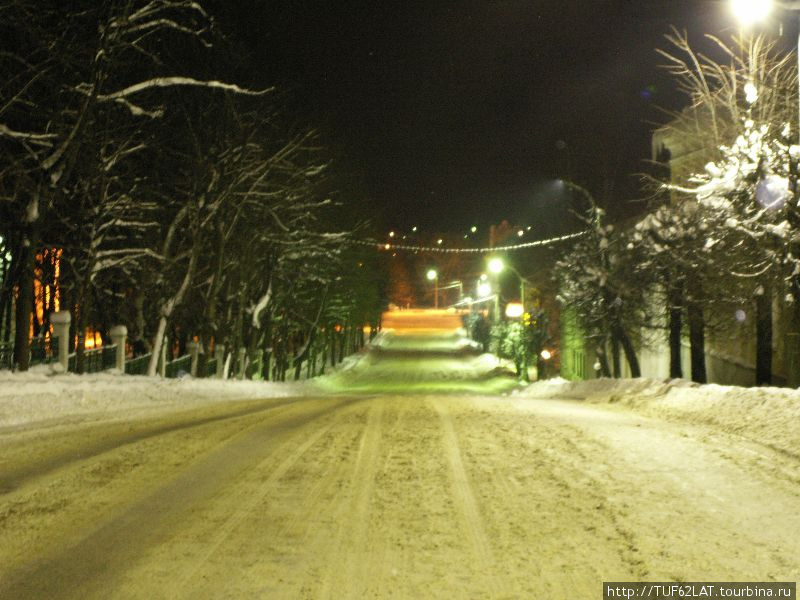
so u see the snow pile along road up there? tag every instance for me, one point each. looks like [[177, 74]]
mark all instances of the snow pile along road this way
[[768, 416], [38, 395]]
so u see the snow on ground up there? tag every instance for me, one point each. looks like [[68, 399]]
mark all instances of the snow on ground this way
[[405, 362], [767, 415], [39, 395], [543, 493], [417, 361]]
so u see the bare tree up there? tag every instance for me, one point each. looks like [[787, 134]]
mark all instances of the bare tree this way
[[734, 103]]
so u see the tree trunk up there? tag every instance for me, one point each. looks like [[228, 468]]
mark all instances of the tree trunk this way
[[324, 345], [674, 298], [24, 308], [158, 341], [166, 313], [697, 341], [615, 358], [630, 351], [764, 336], [602, 358], [793, 335], [81, 324]]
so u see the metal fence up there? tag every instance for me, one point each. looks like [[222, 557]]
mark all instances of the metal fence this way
[[41, 351], [101, 359], [211, 368], [178, 367], [6, 355], [138, 365]]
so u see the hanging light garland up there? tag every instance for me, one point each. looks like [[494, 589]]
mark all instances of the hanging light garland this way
[[486, 250]]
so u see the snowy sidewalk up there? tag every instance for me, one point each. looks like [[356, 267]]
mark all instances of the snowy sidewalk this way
[[38, 396], [768, 416]]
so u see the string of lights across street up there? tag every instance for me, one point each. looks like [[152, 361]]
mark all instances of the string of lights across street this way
[[485, 250]]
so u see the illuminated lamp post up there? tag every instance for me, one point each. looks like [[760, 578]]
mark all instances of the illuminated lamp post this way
[[433, 275], [496, 266], [748, 13], [752, 12]]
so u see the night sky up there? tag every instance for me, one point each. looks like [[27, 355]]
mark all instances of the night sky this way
[[454, 113]]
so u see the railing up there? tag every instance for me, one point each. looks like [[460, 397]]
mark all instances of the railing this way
[[6, 355], [98, 359], [211, 368], [41, 351], [101, 359], [178, 366], [138, 365]]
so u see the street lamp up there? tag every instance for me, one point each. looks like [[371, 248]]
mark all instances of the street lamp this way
[[750, 12], [496, 266], [432, 275], [514, 310]]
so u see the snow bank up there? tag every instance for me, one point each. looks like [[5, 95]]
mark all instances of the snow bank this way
[[39, 395], [769, 416]]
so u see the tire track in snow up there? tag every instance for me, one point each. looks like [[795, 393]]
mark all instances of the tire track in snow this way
[[349, 564], [98, 562], [466, 505], [98, 439], [246, 508]]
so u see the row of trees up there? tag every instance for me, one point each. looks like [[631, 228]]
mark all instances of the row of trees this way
[[137, 186], [724, 231]]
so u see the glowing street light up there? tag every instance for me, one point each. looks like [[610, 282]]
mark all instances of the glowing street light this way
[[750, 12], [484, 289], [496, 265], [433, 275], [514, 310]]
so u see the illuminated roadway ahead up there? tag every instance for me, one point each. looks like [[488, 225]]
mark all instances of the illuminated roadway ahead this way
[[406, 475]]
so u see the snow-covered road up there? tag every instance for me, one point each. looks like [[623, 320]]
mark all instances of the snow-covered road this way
[[389, 495]]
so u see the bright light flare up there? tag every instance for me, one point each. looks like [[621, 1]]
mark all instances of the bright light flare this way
[[484, 289], [496, 265], [546, 354], [514, 310], [750, 12], [750, 92], [431, 274]]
